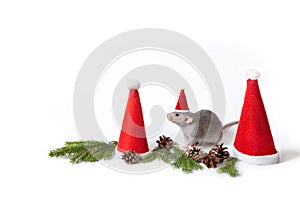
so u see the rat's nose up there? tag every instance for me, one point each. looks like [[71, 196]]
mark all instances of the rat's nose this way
[[169, 116]]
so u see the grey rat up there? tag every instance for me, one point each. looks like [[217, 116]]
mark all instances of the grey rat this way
[[200, 128]]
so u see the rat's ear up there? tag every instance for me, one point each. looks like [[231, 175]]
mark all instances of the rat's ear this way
[[188, 119]]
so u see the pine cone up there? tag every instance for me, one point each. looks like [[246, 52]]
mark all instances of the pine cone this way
[[197, 154], [209, 161], [131, 157], [220, 153], [216, 155], [164, 142]]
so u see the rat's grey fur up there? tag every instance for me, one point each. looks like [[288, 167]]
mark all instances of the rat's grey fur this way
[[202, 127]]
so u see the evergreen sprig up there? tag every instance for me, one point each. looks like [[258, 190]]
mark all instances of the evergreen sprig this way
[[229, 167], [85, 151], [186, 164], [167, 155]]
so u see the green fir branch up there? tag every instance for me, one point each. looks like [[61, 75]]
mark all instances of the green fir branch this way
[[150, 157], [229, 167], [186, 164], [85, 151], [177, 151], [163, 154]]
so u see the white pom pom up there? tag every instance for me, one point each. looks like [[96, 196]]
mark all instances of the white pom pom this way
[[133, 84], [252, 74]]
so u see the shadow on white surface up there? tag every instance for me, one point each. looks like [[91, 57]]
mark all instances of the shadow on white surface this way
[[287, 155]]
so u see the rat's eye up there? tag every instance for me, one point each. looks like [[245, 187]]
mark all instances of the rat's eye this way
[[177, 115]]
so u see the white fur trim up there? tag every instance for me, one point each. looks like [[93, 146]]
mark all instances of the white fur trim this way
[[119, 154], [257, 160], [133, 84], [252, 74], [182, 111]]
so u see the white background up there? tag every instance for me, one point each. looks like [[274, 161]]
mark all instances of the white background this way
[[43, 45]]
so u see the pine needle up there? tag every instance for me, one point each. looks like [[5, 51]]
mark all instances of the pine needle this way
[[186, 164], [163, 154], [229, 167], [149, 157], [85, 151]]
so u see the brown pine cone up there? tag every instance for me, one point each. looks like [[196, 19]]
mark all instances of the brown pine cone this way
[[131, 157], [196, 153], [216, 155], [164, 142], [209, 161], [219, 153]]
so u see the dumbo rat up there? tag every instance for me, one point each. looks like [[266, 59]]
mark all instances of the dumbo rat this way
[[200, 128]]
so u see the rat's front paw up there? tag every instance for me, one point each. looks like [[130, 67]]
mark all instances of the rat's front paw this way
[[194, 144], [186, 148]]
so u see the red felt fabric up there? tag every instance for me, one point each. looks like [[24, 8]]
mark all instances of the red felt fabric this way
[[133, 134], [254, 135], [182, 102]]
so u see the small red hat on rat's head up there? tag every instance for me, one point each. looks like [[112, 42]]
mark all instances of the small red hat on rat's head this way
[[254, 142], [182, 105]]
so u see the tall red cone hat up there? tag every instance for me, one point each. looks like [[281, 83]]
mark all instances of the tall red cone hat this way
[[182, 105], [133, 134], [254, 142]]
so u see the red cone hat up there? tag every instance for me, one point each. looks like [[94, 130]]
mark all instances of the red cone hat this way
[[254, 142], [133, 134], [182, 105]]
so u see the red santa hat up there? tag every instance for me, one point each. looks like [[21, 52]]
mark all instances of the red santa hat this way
[[133, 134], [182, 105], [254, 142]]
